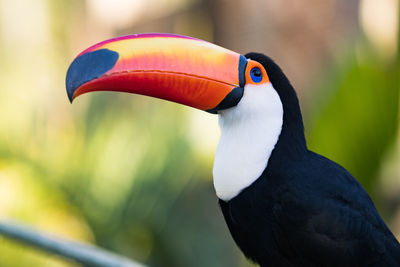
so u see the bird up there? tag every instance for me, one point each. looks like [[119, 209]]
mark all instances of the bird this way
[[284, 205]]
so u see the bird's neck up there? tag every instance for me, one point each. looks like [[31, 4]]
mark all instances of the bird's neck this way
[[291, 145], [261, 131], [249, 133]]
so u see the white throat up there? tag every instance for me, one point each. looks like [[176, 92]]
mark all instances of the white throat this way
[[249, 132]]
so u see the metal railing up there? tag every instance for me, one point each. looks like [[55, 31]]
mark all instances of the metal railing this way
[[85, 254]]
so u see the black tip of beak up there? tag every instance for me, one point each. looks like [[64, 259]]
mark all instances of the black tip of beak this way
[[87, 67]]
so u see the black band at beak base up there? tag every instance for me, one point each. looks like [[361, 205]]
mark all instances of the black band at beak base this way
[[231, 100]]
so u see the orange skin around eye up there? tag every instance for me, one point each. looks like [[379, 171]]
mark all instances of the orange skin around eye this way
[[254, 64]]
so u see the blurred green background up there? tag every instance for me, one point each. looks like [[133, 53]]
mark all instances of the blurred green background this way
[[134, 174]]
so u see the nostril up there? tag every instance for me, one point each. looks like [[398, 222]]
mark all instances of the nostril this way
[[89, 66]]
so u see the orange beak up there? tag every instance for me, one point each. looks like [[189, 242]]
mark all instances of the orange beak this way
[[181, 69]]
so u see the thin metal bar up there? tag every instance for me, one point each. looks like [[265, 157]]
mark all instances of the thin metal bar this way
[[87, 255]]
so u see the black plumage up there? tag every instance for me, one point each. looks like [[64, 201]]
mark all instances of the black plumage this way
[[306, 210]]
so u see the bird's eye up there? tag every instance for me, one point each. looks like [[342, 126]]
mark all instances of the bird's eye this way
[[256, 75]]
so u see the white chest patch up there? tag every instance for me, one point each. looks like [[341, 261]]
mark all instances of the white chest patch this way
[[249, 132]]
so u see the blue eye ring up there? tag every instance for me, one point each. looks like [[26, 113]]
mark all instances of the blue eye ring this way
[[256, 75]]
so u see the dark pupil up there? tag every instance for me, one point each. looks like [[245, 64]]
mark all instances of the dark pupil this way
[[256, 72]]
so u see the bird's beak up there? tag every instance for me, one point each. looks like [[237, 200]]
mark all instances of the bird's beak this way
[[181, 69]]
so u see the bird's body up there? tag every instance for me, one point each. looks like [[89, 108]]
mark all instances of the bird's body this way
[[304, 209], [284, 205], [309, 212]]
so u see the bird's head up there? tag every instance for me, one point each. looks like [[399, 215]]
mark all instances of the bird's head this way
[[202, 75]]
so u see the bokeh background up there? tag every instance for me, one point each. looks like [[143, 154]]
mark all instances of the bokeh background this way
[[134, 174]]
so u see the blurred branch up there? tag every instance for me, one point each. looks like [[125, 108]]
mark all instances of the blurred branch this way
[[85, 254]]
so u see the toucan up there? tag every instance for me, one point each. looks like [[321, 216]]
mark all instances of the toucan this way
[[283, 204]]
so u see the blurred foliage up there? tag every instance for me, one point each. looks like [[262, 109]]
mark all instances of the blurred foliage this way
[[356, 120], [123, 172]]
